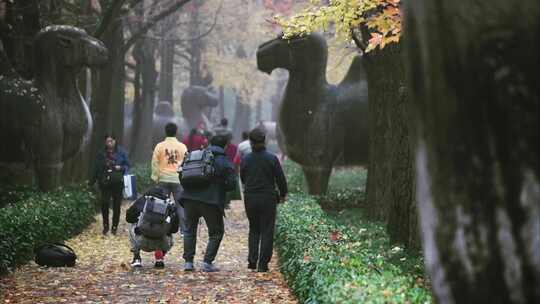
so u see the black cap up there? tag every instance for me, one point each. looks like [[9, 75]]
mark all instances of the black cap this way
[[257, 136]]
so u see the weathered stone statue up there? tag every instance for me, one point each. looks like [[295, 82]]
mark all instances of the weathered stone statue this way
[[319, 122], [195, 100], [163, 114], [46, 121], [475, 88]]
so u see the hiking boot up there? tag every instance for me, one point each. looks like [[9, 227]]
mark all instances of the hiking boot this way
[[105, 230], [188, 266], [114, 229], [137, 262], [262, 268], [158, 256], [209, 267], [159, 264], [252, 266]]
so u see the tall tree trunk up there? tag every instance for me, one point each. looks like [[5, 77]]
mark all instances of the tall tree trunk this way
[[390, 186], [23, 23], [143, 110], [166, 72], [474, 83], [107, 104]]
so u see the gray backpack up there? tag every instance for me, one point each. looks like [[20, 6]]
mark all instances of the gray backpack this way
[[155, 219]]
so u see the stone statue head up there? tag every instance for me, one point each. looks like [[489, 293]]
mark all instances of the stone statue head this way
[[292, 54], [67, 47]]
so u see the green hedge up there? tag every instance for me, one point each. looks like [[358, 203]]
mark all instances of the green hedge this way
[[42, 217], [325, 261], [142, 175]]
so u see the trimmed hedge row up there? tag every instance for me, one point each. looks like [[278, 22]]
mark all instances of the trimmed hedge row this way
[[325, 261], [42, 217]]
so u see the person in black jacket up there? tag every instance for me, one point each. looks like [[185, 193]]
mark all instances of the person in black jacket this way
[[261, 172], [208, 202], [139, 242], [109, 169]]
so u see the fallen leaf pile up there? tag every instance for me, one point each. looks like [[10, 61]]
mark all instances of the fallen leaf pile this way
[[103, 273]]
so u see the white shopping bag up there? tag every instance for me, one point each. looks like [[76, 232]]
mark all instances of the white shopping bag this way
[[129, 187]]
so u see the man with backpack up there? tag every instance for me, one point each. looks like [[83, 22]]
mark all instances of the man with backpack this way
[[206, 177], [153, 221]]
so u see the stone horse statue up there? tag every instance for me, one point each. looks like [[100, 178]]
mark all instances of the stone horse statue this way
[[318, 122], [46, 121], [195, 100]]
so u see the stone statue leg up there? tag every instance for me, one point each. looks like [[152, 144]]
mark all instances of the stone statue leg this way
[[49, 176], [317, 179]]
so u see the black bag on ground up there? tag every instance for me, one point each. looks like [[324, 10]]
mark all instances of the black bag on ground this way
[[197, 169], [55, 255]]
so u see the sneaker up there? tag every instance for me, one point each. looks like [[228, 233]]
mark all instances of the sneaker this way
[[136, 263], [159, 264], [252, 266], [188, 266], [208, 267]]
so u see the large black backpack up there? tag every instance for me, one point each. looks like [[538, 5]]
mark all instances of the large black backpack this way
[[155, 218], [55, 255], [197, 169]]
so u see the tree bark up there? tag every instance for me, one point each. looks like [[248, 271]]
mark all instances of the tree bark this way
[[143, 110], [107, 104], [166, 72], [390, 186], [473, 72]]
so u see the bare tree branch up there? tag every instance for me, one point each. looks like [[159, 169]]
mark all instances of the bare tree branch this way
[[152, 22], [110, 14]]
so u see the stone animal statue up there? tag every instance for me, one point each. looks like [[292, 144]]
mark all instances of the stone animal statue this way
[[318, 122], [163, 114], [195, 101], [475, 92], [46, 121]]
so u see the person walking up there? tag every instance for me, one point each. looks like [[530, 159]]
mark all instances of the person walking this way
[[195, 140], [244, 148], [208, 202], [261, 172], [166, 161], [110, 167]]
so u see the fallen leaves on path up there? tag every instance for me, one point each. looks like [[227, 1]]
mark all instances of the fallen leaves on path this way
[[103, 274]]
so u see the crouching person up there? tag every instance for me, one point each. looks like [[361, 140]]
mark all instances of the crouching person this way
[[153, 220]]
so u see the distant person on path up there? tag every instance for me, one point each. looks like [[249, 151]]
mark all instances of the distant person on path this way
[[196, 139], [110, 167], [166, 161], [223, 129], [208, 202], [244, 148], [261, 172], [139, 241]]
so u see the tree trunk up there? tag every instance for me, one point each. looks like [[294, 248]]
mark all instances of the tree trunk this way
[[390, 186], [143, 110], [107, 104], [474, 83], [22, 18], [166, 72]]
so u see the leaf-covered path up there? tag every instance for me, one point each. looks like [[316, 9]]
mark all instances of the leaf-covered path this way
[[103, 274]]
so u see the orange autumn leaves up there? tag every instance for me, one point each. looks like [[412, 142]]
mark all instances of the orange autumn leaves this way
[[383, 18]]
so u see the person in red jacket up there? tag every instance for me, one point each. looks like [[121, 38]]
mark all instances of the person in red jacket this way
[[195, 140]]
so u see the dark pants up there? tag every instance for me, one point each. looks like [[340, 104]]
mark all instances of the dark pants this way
[[176, 190], [108, 193], [213, 216], [261, 214]]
